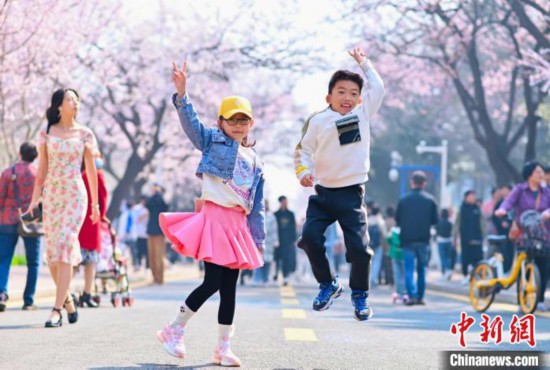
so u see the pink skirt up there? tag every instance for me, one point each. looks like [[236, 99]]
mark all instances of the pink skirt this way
[[216, 234]]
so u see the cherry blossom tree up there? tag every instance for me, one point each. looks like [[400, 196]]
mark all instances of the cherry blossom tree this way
[[126, 75], [481, 48], [39, 40]]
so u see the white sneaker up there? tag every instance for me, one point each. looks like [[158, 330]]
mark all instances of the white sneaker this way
[[542, 307], [224, 356], [171, 338], [449, 275], [465, 280]]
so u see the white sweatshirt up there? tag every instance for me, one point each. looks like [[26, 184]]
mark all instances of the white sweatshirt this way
[[320, 151]]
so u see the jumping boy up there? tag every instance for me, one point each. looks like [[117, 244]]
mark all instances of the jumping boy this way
[[333, 155]]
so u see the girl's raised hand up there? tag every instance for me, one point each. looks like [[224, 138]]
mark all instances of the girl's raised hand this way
[[179, 77]]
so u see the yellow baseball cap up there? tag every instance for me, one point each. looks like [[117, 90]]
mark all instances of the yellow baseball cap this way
[[234, 104]]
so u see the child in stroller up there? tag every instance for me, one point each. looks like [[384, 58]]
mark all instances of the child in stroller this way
[[113, 265]]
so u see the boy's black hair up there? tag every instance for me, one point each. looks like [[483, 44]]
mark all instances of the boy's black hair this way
[[28, 152], [344, 75]]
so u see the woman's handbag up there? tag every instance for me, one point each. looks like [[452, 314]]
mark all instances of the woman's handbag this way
[[31, 227], [28, 226]]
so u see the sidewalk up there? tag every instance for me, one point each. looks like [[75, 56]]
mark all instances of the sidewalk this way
[[45, 286]]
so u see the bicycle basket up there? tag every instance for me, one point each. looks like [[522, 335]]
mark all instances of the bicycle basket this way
[[534, 233]]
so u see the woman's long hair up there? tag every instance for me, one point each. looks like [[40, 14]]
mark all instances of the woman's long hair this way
[[52, 113]]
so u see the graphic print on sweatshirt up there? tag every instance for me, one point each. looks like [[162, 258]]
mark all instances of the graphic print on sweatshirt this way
[[243, 174], [348, 130]]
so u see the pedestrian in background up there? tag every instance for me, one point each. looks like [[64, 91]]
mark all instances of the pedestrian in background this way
[[261, 274], [286, 225], [502, 227], [89, 236], [444, 230], [126, 231], [140, 217], [377, 238], [331, 239], [469, 233], [156, 242], [59, 184], [487, 209], [16, 186], [395, 252], [416, 214]]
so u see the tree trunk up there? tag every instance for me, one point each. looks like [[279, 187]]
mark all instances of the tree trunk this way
[[123, 188]]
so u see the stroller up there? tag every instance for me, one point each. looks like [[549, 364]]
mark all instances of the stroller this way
[[113, 266]]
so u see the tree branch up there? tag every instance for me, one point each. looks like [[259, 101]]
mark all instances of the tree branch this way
[[511, 103], [528, 24]]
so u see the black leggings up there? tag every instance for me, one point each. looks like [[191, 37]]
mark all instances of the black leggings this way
[[216, 278]]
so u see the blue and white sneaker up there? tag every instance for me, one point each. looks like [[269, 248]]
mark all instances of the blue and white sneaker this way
[[327, 293], [362, 310]]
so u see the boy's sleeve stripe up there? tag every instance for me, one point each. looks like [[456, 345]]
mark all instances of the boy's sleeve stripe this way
[[304, 130]]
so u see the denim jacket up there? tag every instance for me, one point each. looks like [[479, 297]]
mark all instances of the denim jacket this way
[[219, 155]]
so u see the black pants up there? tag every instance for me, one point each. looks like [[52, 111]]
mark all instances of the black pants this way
[[142, 253], [471, 255], [216, 278], [507, 250], [346, 206], [543, 263]]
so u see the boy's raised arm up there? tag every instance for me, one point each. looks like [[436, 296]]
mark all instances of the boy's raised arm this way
[[373, 92]]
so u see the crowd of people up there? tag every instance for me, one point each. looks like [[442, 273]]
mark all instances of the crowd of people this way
[[232, 231], [461, 236]]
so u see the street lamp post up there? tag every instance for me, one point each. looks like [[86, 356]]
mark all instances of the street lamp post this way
[[443, 150], [396, 160]]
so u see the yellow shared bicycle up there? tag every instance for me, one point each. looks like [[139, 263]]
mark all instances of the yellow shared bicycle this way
[[487, 279]]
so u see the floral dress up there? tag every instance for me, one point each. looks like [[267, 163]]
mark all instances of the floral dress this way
[[64, 198]]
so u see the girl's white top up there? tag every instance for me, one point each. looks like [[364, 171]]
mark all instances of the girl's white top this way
[[234, 192]]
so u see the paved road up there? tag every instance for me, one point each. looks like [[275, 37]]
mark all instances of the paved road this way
[[276, 329]]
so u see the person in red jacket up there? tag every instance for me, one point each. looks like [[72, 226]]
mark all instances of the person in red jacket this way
[[89, 237]]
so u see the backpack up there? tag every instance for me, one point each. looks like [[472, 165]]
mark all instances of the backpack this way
[[375, 236]]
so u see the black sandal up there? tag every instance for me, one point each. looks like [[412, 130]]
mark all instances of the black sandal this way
[[55, 324], [71, 316]]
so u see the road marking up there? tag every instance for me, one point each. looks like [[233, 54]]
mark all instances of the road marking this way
[[294, 313], [288, 292], [290, 301], [300, 335], [500, 306]]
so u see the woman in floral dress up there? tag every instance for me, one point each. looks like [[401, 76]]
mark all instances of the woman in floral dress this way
[[59, 185]]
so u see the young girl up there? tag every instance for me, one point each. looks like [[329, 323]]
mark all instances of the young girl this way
[[228, 232]]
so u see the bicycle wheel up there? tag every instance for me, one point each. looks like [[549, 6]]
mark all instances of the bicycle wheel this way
[[528, 287], [481, 297]]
